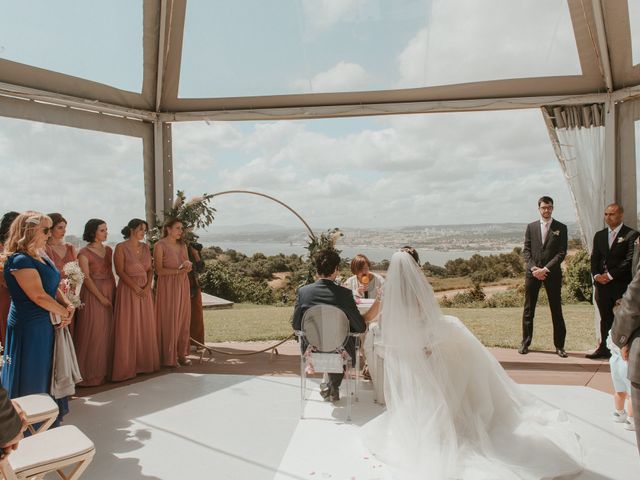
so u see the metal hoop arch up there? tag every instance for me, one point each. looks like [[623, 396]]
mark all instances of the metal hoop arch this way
[[249, 192]]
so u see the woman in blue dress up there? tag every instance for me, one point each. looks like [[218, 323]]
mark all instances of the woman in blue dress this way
[[32, 281]]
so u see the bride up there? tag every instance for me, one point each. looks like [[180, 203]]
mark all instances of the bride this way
[[452, 411]]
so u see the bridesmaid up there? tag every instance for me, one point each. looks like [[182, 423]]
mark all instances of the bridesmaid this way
[[59, 251], [173, 302], [196, 329], [94, 322], [135, 337], [5, 298]]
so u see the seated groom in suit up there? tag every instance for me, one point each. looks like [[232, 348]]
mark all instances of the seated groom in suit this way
[[611, 265], [545, 246], [326, 292]]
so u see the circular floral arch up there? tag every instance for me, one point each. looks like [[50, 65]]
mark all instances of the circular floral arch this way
[[248, 192]]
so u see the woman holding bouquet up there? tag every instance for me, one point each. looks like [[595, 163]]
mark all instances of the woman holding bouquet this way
[[135, 337], [173, 301], [33, 281], [94, 322], [59, 251]]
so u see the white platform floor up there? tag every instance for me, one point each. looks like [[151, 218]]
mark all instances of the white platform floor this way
[[181, 426]]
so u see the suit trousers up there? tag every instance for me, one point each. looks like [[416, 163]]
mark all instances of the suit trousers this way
[[606, 297], [635, 405], [553, 286]]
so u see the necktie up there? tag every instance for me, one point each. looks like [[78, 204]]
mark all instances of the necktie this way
[[545, 231], [612, 235]]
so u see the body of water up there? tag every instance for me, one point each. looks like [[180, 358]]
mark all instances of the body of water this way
[[376, 254]]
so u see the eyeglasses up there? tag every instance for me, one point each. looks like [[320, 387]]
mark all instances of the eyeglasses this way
[[546, 208], [46, 230]]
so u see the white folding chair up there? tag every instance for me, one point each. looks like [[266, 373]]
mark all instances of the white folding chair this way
[[325, 329], [65, 450], [40, 409]]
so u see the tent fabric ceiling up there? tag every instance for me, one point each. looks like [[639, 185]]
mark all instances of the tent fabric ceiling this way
[[163, 28]]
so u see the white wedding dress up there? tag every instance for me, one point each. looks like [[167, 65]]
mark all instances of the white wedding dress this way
[[452, 411]]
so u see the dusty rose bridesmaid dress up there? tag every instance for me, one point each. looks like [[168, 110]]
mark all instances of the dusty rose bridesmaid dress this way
[[60, 262], [173, 307], [94, 322], [135, 338]]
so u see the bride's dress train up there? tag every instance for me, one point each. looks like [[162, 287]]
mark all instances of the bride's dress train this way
[[452, 411]]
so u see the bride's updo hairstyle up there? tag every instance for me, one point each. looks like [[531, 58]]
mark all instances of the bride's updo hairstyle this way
[[411, 251], [327, 262], [131, 226]]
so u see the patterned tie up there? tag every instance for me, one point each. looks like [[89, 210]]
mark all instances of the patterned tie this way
[[545, 231]]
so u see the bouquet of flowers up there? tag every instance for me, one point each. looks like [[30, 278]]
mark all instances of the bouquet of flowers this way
[[72, 282], [3, 359]]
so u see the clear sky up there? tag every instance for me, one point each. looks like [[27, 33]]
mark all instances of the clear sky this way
[[375, 171]]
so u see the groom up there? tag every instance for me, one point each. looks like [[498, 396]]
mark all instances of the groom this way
[[326, 292], [545, 246]]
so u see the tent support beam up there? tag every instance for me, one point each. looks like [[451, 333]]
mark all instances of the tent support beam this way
[[603, 49]]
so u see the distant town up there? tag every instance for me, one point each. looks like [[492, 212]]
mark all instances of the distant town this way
[[476, 237]]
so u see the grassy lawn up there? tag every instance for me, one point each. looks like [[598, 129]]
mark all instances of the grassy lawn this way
[[495, 327]]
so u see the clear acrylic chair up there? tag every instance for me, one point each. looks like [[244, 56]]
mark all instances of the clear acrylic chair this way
[[325, 329]]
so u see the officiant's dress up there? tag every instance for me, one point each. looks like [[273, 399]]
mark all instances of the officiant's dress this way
[[94, 322], [30, 334], [452, 411]]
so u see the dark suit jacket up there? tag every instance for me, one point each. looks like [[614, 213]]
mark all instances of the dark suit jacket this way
[[615, 260], [551, 253], [326, 292], [10, 423], [626, 326]]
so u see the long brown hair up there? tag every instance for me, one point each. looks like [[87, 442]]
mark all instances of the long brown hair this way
[[23, 232], [170, 223]]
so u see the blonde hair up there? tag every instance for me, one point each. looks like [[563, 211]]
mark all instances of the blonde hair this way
[[358, 263], [23, 232]]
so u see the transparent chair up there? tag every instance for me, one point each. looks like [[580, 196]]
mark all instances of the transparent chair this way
[[325, 329]]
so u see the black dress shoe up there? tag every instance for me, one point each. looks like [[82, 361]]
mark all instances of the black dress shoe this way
[[561, 353], [334, 396], [604, 354], [325, 391], [523, 350]]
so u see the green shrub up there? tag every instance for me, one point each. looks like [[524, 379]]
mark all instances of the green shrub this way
[[219, 280], [578, 281]]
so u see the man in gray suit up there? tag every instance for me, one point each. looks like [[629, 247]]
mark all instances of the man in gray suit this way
[[12, 424], [626, 334]]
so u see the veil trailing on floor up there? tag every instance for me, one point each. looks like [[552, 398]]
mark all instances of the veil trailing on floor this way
[[452, 411]]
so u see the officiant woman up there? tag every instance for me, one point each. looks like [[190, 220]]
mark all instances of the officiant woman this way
[[32, 280]]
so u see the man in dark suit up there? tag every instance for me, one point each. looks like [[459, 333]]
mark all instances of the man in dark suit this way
[[545, 246], [611, 262], [12, 424], [625, 333], [326, 292]]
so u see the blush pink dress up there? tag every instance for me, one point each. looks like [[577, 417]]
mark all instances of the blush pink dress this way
[[135, 338], [173, 307], [60, 262], [94, 322]]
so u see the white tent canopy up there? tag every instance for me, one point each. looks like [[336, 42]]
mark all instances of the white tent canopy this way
[[183, 50]]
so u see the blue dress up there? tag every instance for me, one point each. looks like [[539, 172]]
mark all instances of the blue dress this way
[[30, 334]]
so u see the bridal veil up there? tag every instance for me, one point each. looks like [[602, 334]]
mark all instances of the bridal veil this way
[[452, 411]]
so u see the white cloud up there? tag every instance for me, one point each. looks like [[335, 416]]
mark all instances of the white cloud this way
[[342, 77], [464, 41], [320, 15]]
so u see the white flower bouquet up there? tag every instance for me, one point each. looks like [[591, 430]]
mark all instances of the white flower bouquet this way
[[73, 282]]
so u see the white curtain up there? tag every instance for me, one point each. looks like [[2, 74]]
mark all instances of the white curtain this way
[[582, 162]]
